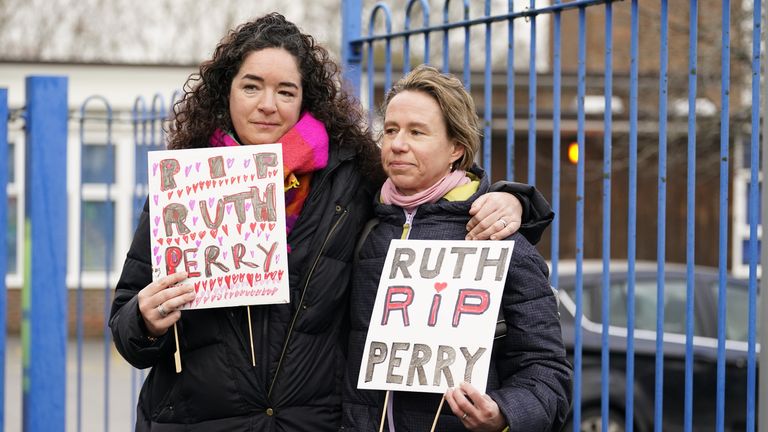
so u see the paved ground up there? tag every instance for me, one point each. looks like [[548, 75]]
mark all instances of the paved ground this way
[[117, 407]]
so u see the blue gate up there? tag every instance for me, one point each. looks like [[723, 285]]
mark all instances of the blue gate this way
[[657, 116]]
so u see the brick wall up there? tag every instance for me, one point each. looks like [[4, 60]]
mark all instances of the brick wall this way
[[93, 312]]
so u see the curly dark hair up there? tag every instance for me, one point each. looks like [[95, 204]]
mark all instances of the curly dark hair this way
[[205, 104]]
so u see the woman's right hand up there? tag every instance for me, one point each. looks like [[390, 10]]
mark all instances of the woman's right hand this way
[[159, 302]]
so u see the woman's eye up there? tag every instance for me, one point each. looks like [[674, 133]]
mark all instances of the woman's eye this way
[[287, 94], [250, 87], [390, 131]]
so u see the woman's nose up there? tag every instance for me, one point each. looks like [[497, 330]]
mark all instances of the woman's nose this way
[[399, 143], [267, 102]]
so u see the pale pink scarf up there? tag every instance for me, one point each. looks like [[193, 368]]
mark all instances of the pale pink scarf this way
[[391, 195]]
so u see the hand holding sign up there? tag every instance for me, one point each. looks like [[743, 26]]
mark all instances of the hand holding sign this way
[[476, 410], [160, 300]]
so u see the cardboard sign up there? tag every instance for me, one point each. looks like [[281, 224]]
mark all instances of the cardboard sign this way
[[219, 214], [435, 313]]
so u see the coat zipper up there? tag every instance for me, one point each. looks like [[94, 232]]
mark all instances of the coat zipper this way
[[404, 236], [301, 300], [408, 223]]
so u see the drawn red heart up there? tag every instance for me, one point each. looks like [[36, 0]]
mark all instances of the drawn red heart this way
[[439, 286]]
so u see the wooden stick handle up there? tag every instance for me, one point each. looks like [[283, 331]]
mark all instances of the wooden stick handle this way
[[250, 332], [437, 414], [177, 354], [384, 412]]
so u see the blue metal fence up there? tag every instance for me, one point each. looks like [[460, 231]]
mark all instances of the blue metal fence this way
[[360, 49]]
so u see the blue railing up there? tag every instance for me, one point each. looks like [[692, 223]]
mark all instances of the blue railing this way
[[633, 137]]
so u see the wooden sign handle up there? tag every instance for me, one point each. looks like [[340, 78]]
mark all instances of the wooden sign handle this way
[[177, 354]]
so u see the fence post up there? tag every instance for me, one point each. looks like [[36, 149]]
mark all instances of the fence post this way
[[44, 299], [3, 249], [762, 383], [351, 55]]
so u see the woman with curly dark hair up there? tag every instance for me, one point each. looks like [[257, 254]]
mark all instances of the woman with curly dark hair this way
[[267, 82]]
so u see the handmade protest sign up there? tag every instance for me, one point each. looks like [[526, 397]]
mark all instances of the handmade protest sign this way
[[434, 317], [219, 214]]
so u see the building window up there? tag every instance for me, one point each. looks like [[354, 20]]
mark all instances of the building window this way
[[98, 164], [98, 221]]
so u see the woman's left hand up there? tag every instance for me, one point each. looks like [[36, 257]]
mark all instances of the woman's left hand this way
[[495, 215], [476, 411]]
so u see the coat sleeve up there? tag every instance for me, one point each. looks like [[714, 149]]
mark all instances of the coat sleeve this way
[[537, 213], [535, 375], [128, 329]]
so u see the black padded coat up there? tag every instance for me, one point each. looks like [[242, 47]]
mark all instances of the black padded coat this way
[[529, 378], [295, 385]]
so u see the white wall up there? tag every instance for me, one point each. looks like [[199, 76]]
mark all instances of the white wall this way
[[120, 84]]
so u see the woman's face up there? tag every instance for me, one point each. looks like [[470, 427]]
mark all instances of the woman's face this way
[[265, 97], [415, 150]]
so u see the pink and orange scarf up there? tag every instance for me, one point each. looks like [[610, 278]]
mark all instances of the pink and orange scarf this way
[[305, 150]]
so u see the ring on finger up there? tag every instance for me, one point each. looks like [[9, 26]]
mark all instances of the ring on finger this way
[[464, 417], [161, 310], [503, 222]]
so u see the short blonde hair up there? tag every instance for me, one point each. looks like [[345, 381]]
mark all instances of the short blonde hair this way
[[456, 104]]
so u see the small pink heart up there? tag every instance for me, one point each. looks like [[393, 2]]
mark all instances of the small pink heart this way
[[439, 286]]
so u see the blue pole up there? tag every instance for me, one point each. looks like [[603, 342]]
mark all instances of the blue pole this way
[[511, 95], [531, 100], [351, 54], [662, 209], [580, 193], [556, 96], [3, 250], [754, 153], [632, 216], [690, 241], [725, 81], [45, 290], [487, 95], [607, 172], [762, 373]]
